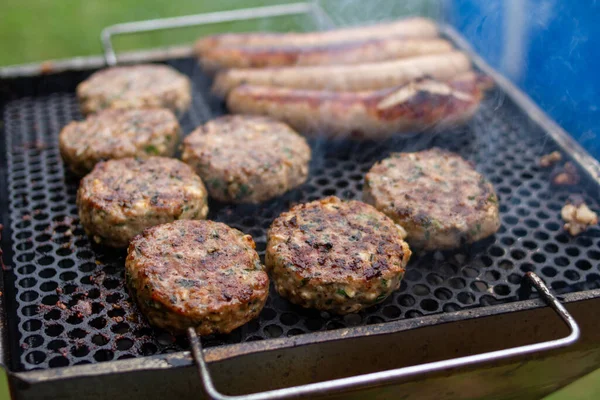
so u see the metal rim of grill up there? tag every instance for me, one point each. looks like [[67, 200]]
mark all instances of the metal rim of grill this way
[[66, 297]]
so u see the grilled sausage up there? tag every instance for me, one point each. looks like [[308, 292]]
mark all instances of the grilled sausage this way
[[410, 27], [354, 52], [415, 106], [347, 77]]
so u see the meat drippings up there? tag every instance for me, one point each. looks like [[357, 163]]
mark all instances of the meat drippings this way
[[578, 217], [550, 159]]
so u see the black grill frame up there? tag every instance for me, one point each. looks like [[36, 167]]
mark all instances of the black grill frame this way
[[528, 117]]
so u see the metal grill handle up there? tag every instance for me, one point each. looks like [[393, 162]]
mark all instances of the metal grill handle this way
[[201, 19], [378, 378]]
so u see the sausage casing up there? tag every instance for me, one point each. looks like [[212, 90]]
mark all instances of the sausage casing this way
[[354, 52], [349, 78], [409, 27], [416, 106]]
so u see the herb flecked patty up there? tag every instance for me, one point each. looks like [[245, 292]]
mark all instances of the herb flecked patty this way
[[247, 159], [200, 274], [120, 198], [335, 255], [436, 196], [118, 134], [136, 86]]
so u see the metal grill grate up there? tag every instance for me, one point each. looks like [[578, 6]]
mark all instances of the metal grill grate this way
[[71, 307]]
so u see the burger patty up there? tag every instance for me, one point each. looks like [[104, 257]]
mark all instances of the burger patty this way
[[436, 196], [335, 255], [137, 86], [118, 134], [120, 198], [246, 159], [199, 274]]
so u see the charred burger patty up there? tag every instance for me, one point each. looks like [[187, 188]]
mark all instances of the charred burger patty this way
[[118, 134], [245, 159], [120, 198], [199, 274], [137, 86], [335, 255], [436, 196]]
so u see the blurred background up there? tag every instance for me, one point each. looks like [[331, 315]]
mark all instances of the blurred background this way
[[547, 47]]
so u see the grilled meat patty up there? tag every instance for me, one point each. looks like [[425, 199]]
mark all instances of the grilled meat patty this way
[[335, 255], [137, 86], [436, 196], [120, 198], [200, 274], [118, 134], [245, 159]]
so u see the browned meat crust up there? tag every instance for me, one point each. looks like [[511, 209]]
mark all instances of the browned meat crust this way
[[120, 198], [200, 274], [247, 159], [112, 134], [137, 86], [436, 196], [335, 255]]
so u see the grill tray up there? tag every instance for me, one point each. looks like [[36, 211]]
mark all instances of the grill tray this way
[[66, 302]]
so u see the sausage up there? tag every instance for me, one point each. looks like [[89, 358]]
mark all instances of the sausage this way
[[349, 78], [409, 27], [332, 54], [416, 106]]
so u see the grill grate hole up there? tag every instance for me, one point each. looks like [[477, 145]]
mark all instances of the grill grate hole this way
[[58, 362], [429, 305], [584, 265], [148, 349], [34, 341], [391, 312], [479, 286], [77, 333], [53, 315], [73, 308], [120, 328], [104, 355], [466, 298], [35, 357], [56, 345], [124, 344], [99, 339], [502, 290], [421, 290]]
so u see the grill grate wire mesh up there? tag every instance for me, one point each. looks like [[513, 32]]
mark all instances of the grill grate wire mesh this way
[[70, 306]]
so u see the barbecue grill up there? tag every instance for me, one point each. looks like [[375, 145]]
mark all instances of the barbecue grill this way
[[479, 321]]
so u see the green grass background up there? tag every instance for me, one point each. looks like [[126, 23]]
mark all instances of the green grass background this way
[[38, 30]]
